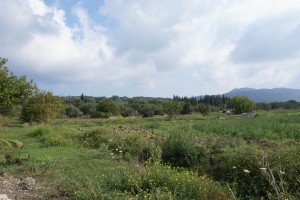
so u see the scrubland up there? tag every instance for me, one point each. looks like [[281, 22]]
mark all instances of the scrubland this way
[[185, 157]]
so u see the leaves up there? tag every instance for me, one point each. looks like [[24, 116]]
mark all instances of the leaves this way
[[241, 104], [14, 90], [42, 107]]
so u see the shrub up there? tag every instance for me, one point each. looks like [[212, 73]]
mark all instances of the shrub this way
[[42, 107], [158, 181], [179, 149], [95, 138], [73, 111]]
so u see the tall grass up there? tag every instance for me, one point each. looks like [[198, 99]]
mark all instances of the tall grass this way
[[4, 121]]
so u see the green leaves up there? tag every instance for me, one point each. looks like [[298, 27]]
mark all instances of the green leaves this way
[[14, 90], [172, 107], [241, 104], [42, 107]]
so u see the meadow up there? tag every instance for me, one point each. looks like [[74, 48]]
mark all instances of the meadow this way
[[184, 157]]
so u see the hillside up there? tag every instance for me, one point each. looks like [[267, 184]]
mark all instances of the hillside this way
[[267, 95]]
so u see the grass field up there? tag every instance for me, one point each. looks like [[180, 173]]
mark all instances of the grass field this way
[[186, 157]]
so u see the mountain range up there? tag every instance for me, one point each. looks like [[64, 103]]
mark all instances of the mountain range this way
[[267, 95]]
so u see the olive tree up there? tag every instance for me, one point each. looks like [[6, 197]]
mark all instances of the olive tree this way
[[241, 104]]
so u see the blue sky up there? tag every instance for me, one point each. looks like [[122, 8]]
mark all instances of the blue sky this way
[[152, 48]]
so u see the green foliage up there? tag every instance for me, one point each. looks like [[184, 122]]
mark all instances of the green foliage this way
[[241, 104], [129, 145], [88, 108], [81, 161], [73, 111], [48, 137], [40, 132], [14, 90], [180, 149], [42, 107], [4, 121], [187, 108], [95, 138], [172, 107], [107, 108], [127, 111], [203, 109], [158, 181]]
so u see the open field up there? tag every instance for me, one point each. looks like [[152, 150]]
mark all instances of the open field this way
[[185, 157]]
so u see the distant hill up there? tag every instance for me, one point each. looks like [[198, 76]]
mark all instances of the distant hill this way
[[267, 95]]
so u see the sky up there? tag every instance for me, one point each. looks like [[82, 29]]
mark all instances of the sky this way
[[154, 48]]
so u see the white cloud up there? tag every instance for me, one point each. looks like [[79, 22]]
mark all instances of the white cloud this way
[[216, 45]]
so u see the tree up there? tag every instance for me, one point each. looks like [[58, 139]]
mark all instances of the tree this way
[[187, 108], [42, 107], [107, 108], [14, 90], [241, 104], [203, 109], [172, 107], [73, 111]]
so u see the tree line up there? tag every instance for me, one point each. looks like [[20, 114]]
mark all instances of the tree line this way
[[21, 97]]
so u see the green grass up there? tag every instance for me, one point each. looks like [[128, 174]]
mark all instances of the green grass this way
[[185, 157]]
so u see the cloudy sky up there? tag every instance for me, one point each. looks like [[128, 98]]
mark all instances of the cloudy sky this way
[[152, 47]]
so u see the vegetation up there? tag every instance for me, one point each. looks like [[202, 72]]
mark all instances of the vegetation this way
[[194, 153], [42, 107], [14, 90], [172, 108], [186, 157], [241, 104]]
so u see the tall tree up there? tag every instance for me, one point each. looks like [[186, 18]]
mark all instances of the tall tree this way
[[14, 90]]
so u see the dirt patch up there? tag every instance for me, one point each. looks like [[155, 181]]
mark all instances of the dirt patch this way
[[18, 189]]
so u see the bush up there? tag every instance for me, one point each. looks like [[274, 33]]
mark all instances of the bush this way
[[179, 149], [95, 138], [248, 171], [73, 111], [42, 107], [158, 181]]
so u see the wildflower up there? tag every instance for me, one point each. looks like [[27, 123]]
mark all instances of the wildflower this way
[[234, 167], [263, 168], [246, 171]]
